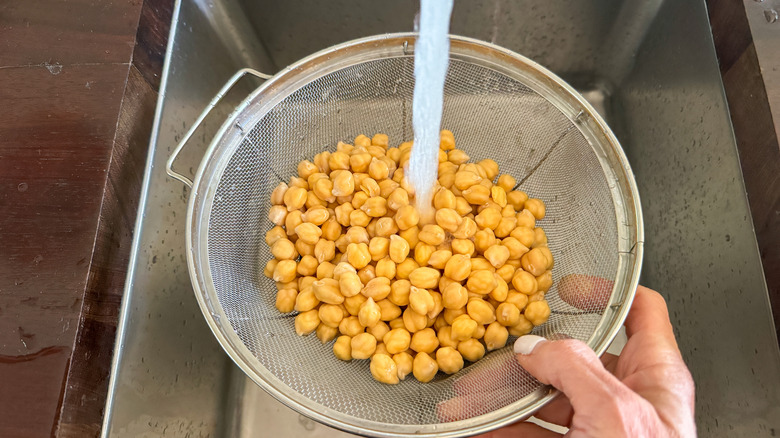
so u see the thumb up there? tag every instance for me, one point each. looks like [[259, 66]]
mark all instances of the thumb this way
[[572, 367]]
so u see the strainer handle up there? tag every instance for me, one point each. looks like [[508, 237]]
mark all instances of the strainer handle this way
[[220, 94]]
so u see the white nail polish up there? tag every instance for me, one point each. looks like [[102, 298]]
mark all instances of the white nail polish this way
[[526, 344]]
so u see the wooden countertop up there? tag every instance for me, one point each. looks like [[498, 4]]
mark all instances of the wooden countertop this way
[[78, 88]]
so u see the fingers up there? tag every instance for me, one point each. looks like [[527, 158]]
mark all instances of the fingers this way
[[585, 292], [521, 430], [574, 368], [649, 313]]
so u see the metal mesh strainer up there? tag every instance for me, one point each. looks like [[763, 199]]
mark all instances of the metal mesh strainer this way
[[500, 106]]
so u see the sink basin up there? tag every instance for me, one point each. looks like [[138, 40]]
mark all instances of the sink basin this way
[[650, 69]]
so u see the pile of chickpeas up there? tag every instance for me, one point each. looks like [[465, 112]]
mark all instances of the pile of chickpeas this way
[[354, 258]]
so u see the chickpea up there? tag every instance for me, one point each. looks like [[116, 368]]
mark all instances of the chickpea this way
[[327, 291], [325, 333], [385, 268], [507, 314], [396, 323], [285, 271], [403, 363], [378, 288], [410, 236], [465, 179], [497, 255], [403, 269], [331, 229], [378, 169], [535, 262], [343, 213], [399, 292], [367, 274], [462, 247], [353, 304], [536, 207], [357, 235], [269, 268], [481, 282], [283, 249], [378, 247], [438, 305], [420, 300], [499, 293], [387, 187], [398, 199], [398, 249], [350, 284], [462, 206], [388, 310], [540, 238], [526, 219], [413, 321], [295, 198], [523, 327], [544, 282], [490, 167], [385, 227], [537, 312], [463, 327], [488, 218], [524, 235], [285, 300], [324, 250], [384, 369], [481, 311], [450, 314], [444, 336], [424, 341], [277, 196], [380, 349], [316, 215], [330, 315], [425, 278], [518, 299], [446, 140], [379, 330], [472, 350], [422, 253], [447, 179], [363, 346], [274, 234], [350, 326], [517, 199], [506, 273], [369, 313], [298, 182], [407, 217], [454, 296], [306, 322], [524, 282], [424, 367], [496, 336], [505, 226], [479, 332], [308, 232], [358, 255], [443, 198], [484, 239], [449, 360], [293, 219], [476, 194], [397, 340], [306, 300], [325, 270], [277, 214], [342, 348], [307, 266], [359, 218], [457, 156], [432, 234]]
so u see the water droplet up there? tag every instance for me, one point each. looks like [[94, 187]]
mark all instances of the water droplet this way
[[771, 16]]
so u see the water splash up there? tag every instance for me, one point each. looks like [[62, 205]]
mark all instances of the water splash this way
[[431, 57]]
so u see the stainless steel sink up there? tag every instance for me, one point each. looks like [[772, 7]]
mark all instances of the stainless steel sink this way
[[648, 66]]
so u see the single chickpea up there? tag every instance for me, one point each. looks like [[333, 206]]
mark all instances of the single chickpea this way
[[327, 291], [467, 229], [526, 219], [471, 349], [398, 198], [411, 236], [497, 255], [481, 311], [446, 140], [367, 274], [524, 282], [496, 336], [350, 326], [326, 334], [458, 267], [321, 160], [339, 160], [404, 362], [369, 186], [536, 207], [277, 214], [307, 322], [505, 226], [465, 179], [343, 213], [526, 236], [507, 314], [306, 300], [488, 218], [377, 288], [523, 327], [463, 247], [445, 337], [517, 199], [330, 315], [447, 179], [295, 198], [359, 218], [450, 360], [308, 233], [424, 367], [375, 206], [507, 182], [316, 215], [369, 313], [350, 284], [298, 182], [422, 253], [450, 314], [537, 312], [285, 271], [403, 269], [342, 348], [277, 196], [380, 349], [397, 340], [498, 195], [360, 162], [379, 330], [293, 219], [481, 282], [399, 249], [535, 262], [387, 187], [545, 281], [388, 310], [270, 266], [385, 227], [363, 346], [420, 300], [384, 369], [484, 239], [357, 235], [457, 156], [331, 229], [432, 234], [454, 296], [506, 273], [358, 255], [285, 300], [396, 324], [443, 198], [385, 268], [353, 304], [324, 250], [448, 219], [413, 321], [425, 278], [274, 234], [307, 265], [438, 305], [476, 194], [462, 206], [399, 292], [424, 341], [499, 293], [283, 249], [407, 217], [490, 167], [520, 300], [379, 248], [540, 238], [463, 327]]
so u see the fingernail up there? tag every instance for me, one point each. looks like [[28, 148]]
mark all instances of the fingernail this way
[[526, 344]]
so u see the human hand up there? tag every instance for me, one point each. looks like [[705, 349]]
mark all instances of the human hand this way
[[647, 391]]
